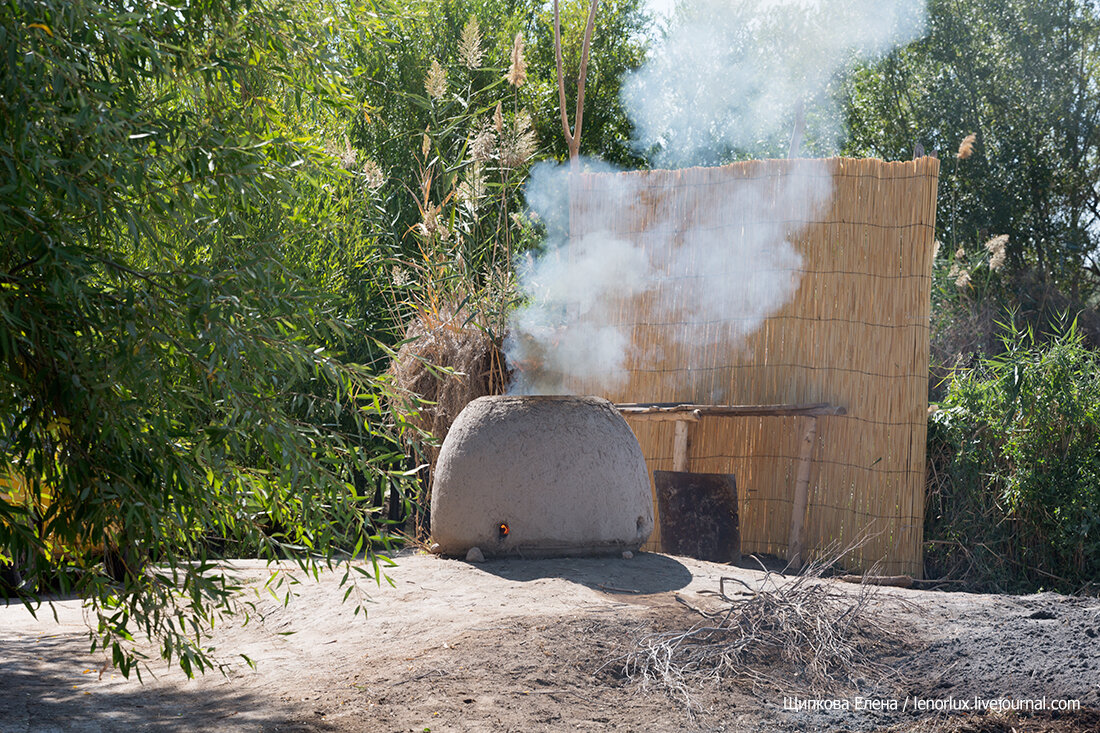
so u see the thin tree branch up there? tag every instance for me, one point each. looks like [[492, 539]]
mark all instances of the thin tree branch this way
[[583, 77], [573, 137], [561, 80], [22, 266]]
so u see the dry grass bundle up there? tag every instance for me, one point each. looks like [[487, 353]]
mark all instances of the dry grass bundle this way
[[802, 632], [445, 362]]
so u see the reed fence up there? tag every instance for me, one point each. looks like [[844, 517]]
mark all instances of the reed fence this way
[[855, 334]]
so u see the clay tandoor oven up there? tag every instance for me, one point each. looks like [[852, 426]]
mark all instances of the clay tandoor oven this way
[[538, 476]]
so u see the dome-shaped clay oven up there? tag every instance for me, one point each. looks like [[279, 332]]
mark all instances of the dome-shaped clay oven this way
[[540, 476]]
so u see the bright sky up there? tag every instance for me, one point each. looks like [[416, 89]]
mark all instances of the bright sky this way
[[661, 6]]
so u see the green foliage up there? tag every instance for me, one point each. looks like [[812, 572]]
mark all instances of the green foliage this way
[[970, 291], [212, 213], [452, 281], [1015, 499], [395, 109], [464, 142], [216, 219], [618, 47], [173, 242], [1021, 75], [455, 133], [393, 65]]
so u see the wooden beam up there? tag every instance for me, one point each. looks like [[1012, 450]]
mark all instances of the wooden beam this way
[[650, 410], [801, 491], [692, 416], [894, 581]]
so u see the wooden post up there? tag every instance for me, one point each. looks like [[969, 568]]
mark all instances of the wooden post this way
[[801, 489], [680, 411], [681, 444]]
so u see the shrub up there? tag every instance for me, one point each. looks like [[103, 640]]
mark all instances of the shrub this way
[[1014, 500]]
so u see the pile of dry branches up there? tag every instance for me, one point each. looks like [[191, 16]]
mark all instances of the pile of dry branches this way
[[787, 632]]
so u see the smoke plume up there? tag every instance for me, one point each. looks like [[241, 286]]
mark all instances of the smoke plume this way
[[729, 80], [732, 74]]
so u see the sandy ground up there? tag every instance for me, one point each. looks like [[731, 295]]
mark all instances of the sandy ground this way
[[532, 645]]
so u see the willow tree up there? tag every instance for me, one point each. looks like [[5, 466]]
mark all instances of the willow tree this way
[[168, 384]]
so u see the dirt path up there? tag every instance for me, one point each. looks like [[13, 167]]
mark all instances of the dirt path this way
[[531, 645]]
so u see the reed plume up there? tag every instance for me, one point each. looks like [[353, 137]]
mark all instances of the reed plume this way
[[469, 46], [372, 174], [520, 143], [517, 73], [472, 188], [966, 147], [483, 144], [436, 82], [996, 249], [343, 152]]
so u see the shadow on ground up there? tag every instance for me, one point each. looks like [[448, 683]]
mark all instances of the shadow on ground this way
[[644, 574], [48, 685]]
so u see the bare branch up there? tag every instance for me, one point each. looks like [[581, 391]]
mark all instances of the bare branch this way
[[561, 79], [573, 137], [575, 150]]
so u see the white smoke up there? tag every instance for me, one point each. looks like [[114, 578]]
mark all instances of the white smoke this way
[[722, 274], [564, 330], [731, 74], [727, 80]]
